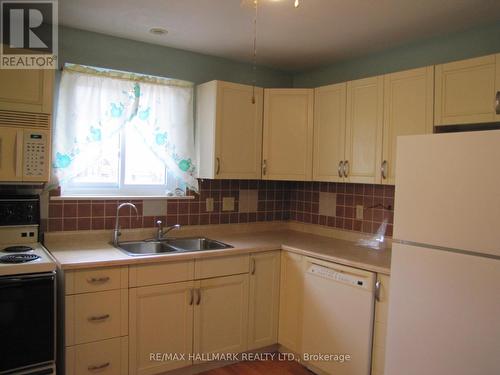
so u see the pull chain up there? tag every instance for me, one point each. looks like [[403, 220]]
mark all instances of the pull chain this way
[[254, 67]]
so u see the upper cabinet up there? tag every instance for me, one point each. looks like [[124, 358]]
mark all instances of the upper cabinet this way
[[348, 131], [329, 132], [408, 110], [364, 121], [229, 130], [25, 90], [288, 134], [467, 91]]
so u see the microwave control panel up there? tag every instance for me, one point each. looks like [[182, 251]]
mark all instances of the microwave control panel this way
[[35, 154]]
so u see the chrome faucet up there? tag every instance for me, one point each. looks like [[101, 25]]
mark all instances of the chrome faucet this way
[[161, 233], [116, 231]]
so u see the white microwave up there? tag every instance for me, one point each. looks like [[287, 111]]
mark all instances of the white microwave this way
[[24, 154]]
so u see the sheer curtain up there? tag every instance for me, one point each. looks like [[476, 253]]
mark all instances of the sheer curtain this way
[[95, 107]]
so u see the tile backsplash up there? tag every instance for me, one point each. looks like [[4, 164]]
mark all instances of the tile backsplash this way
[[259, 200], [334, 205], [328, 204]]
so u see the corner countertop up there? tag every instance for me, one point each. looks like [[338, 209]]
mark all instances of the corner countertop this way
[[96, 251]]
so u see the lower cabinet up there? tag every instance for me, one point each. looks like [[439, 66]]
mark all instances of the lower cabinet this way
[[161, 324], [291, 298], [263, 299], [174, 325], [107, 357], [221, 315]]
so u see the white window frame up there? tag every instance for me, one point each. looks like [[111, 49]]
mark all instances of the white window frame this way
[[121, 189]]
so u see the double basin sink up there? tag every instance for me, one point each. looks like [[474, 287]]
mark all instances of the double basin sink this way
[[171, 245]]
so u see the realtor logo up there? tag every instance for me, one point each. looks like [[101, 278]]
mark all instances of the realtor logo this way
[[28, 34]]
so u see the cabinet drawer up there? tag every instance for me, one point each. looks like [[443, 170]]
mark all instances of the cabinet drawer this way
[[96, 280], [160, 273], [223, 266], [109, 357], [96, 316]]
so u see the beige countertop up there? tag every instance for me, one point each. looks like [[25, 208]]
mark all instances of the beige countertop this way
[[94, 250]]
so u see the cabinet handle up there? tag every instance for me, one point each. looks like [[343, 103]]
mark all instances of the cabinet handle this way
[[497, 107], [218, 165], [98, 280], [340, 168], [383, 169], [191, 299], [198, 300], [378, 284], [98, 367], [99, 318], [264, 167], [346, 168], [252, 272]]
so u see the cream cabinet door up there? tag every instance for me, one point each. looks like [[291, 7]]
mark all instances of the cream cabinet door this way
[[288, 134], [380, 325], [229, 130], [238, 144], [161, 321], [329, 132], [26, 90], [11, 148], [108, 357], [221, 315], [290, 313], [465, 91], [264, 299], [364, 130], [408, 110]]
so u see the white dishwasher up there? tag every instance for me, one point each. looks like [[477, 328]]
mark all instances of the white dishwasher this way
[[338, 318]]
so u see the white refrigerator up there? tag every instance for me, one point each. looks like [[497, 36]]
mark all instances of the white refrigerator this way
[[444, 300]]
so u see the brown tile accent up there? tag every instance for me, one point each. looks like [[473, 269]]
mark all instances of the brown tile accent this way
[[277, 200], [378, 202], [69, 210]]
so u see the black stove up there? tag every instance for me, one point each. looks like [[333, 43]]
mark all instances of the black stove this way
[[19, 258], [17, 249]]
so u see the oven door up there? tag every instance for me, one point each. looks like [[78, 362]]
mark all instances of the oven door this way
[[27, 321]]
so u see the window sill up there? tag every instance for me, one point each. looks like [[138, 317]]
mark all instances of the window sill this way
[[118, 197]]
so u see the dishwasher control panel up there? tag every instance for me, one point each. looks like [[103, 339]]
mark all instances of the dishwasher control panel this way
[[339, 276]]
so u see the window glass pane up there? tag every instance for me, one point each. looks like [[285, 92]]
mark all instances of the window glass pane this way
[[104, 170], [142, 167]]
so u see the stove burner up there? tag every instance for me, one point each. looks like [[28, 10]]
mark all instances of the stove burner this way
[[18, 258], [17, 249]]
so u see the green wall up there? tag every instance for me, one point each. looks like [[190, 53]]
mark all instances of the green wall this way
[[88, 48], [457, 46]]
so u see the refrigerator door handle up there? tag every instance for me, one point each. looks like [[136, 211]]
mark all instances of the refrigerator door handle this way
[[378, 286], [497, 103]]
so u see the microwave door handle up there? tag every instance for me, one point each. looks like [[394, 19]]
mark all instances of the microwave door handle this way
[[18, 153]]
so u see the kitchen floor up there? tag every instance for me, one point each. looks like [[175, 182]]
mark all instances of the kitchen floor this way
[[273, 367]]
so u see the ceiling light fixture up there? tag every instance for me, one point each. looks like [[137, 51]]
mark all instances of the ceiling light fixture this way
[[158, 31], [296, 3]]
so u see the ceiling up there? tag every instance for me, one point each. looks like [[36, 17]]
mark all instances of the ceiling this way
[[317, 33]]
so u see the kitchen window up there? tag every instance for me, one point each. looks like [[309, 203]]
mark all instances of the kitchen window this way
[[123, 134]]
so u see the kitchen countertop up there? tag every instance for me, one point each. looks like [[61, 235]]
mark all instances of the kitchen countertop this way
[[96, 251]]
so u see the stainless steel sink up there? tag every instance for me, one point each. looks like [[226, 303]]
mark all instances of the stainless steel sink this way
[[196, 244], [174, 245], [146, 247]]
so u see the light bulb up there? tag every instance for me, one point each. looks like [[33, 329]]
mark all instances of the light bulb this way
[[296, 4]]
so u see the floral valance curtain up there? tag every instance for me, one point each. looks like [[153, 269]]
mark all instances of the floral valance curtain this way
[[95, 105]]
